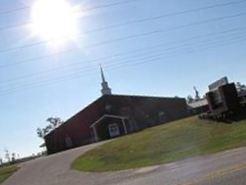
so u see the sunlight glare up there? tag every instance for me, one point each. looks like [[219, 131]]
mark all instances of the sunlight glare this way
[[54, 20]]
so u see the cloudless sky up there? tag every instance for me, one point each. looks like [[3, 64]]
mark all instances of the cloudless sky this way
[[168, 62]]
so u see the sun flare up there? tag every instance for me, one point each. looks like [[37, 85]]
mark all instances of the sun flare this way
[[54, 20]]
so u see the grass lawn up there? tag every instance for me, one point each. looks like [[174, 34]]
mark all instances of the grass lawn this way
[[164, 143], [6, 172]]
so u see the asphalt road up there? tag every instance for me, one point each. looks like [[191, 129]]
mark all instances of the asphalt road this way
[[225, 168]]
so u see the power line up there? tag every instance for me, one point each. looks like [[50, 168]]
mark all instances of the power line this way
[[121, 63], [145, 19], [85, 67], [14, 10], [88, 9], [11, 26], [216, 18], [124, 54], [133, 36], [88, 68], [69, 50]]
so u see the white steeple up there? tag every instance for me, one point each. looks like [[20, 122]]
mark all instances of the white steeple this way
[[105, 88]]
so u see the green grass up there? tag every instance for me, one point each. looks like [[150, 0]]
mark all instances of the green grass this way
[[6, 172], [162, 144]]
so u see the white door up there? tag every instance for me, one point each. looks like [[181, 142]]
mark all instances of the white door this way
[[114, 130]]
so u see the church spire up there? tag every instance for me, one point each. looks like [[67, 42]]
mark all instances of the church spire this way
[[105, 88], [102, 74]]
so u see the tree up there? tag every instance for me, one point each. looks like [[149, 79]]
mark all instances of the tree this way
[[190, 99], [7, 156], [240, 87], [54, 123], [13, 158], [40, 133]]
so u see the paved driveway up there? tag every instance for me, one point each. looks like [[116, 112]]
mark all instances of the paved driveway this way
[[223, 168]]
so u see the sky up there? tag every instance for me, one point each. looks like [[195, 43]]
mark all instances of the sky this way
[[157, 48]]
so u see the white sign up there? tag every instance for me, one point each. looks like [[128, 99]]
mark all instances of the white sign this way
[[114, 130], [218, 83]]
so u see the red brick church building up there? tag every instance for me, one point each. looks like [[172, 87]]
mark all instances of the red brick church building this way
[[112, 116]]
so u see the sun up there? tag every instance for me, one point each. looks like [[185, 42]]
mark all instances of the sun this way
[[54, 20]]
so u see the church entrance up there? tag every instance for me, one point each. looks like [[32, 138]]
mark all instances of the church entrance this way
[[109, 126]]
